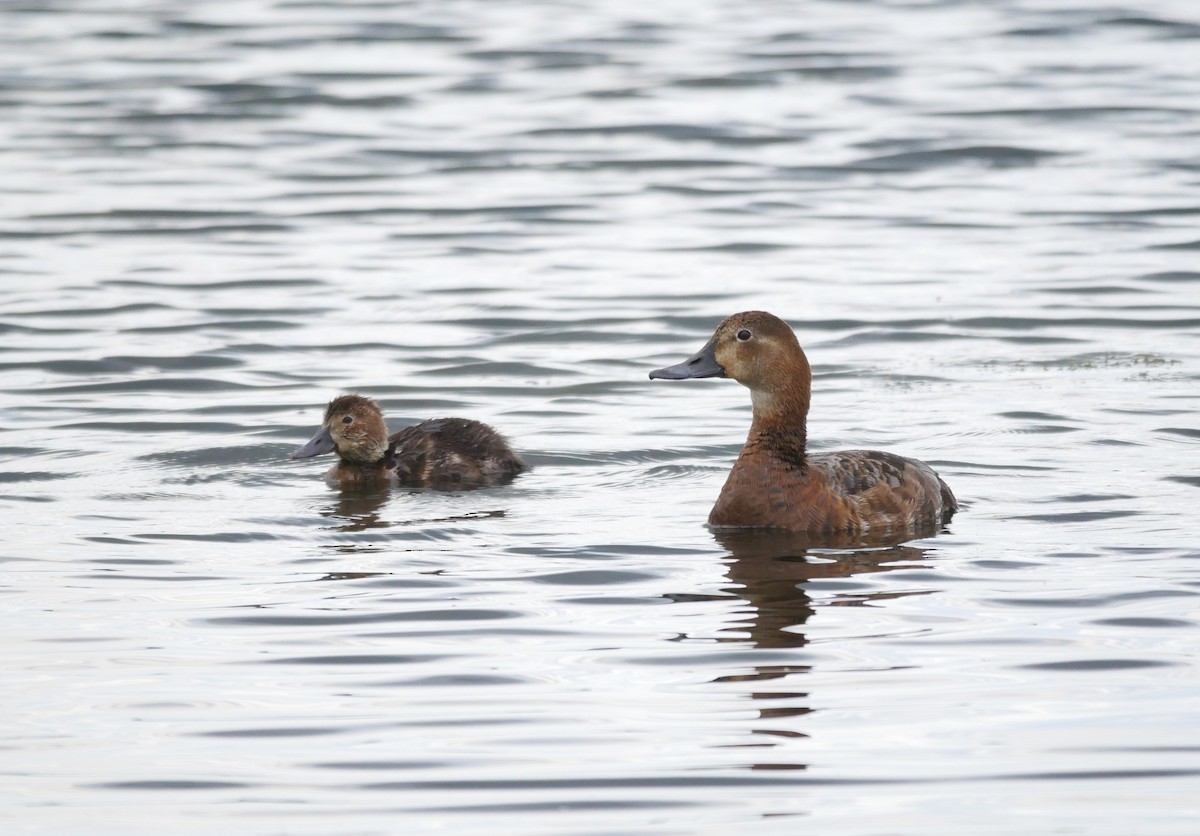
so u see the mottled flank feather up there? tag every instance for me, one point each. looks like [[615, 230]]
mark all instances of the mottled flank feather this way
[[441, 453], [450, 453], [775, 483]]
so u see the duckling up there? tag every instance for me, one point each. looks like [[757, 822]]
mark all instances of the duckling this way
[[443, 453], [775, 482]]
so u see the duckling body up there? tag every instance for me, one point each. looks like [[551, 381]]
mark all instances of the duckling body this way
[[775, 482], [442, 453]]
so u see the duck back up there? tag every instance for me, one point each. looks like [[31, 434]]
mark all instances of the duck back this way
[[844, 492], [449, 453], [890, 491]]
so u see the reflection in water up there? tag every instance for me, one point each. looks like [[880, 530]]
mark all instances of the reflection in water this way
[[769, 570], [359, 510], [349, 576]]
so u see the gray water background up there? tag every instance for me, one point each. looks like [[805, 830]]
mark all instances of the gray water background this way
[[981, 219]]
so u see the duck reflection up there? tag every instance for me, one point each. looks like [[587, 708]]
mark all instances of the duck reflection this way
[[359, 510], [349, 576], [770, 569]]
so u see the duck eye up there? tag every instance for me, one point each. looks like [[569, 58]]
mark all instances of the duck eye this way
[[743, 335], [349, 419]]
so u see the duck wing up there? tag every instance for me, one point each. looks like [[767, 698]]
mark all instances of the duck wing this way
[[452, 452], [888, 484]]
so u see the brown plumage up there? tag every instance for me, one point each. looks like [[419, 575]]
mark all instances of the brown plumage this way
[[775, 482], [443, 453]]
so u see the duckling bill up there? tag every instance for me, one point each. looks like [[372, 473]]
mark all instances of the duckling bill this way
[[776, 482], [442, 453]]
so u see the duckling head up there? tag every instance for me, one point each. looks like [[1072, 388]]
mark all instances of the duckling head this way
[[354, 427]]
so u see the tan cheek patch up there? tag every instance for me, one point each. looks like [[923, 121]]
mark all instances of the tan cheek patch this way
[[343, 434], [726, 355]]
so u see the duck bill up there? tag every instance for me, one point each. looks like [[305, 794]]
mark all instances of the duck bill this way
[[320, 443], [701, 364]]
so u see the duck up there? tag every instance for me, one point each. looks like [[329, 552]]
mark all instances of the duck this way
[[775, 482], [440, 453]]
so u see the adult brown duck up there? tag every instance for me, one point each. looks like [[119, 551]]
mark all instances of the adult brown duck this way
[[776, 482]]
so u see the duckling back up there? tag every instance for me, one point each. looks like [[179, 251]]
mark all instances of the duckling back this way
[[449, 453]]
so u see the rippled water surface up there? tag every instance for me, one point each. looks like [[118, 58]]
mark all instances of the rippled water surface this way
[[981, 218]]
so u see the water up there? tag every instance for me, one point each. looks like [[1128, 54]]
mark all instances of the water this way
[[981, 220]]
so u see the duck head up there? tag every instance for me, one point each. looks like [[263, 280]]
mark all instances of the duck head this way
[[354, 427], [760, 351]]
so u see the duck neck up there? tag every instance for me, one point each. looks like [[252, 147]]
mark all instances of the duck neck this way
[[779, 424]]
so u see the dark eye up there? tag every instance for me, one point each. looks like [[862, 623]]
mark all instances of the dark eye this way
[[349, 419], [743, 335]]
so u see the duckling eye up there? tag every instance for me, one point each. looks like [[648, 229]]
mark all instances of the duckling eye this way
[[743, 335], [349, 419]]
